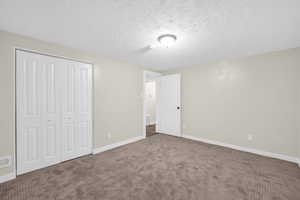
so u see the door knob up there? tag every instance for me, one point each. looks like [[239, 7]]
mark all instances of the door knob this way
[[178, 107]]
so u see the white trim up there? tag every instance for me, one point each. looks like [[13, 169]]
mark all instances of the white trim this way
[[7, 177], [245, 149], [144, 104], [49, 53], [118, 144], [14, 156]]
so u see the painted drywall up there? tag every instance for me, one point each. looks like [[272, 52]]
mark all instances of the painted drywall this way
[[150, 89], [257, 95], [298, 120], [117, 94]]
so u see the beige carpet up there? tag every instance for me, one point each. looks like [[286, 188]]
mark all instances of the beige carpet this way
[[161, 168]]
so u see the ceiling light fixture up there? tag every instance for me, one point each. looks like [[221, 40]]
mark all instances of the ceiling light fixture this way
[[167, 40]]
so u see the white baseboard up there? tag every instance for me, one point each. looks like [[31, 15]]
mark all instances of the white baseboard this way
[[118, 144], [7, 177], [245, 149]]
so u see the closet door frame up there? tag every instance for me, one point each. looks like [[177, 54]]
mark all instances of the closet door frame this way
[[15, 93]]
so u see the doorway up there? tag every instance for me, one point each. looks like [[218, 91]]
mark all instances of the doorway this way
[[150, 102], [162, 104]]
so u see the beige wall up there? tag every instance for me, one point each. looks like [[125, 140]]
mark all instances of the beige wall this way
[[257, 95], [298, 118], [117, 94]]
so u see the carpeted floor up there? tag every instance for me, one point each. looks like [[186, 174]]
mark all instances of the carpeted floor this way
[[161, 168]]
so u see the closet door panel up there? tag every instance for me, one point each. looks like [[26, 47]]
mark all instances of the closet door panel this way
[[84, 108], [69, 138], [51, 139], [69, 145], [29, 112]]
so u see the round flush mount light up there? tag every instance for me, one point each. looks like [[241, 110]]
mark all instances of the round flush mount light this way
[[167, 40]]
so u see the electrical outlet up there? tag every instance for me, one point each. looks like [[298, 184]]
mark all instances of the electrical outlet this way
[[250, 137], [108, 135]]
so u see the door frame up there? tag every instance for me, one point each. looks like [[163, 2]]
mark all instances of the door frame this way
[[15, 49]]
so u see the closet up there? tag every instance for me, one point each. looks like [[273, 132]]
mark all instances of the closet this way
[[53, 109]]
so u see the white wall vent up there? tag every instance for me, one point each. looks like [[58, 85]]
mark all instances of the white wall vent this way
[[5, 161]]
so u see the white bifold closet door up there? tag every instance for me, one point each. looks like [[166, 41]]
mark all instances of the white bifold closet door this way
[[54, 106]]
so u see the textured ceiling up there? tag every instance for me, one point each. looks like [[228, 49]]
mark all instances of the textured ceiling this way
[[207, 30]]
